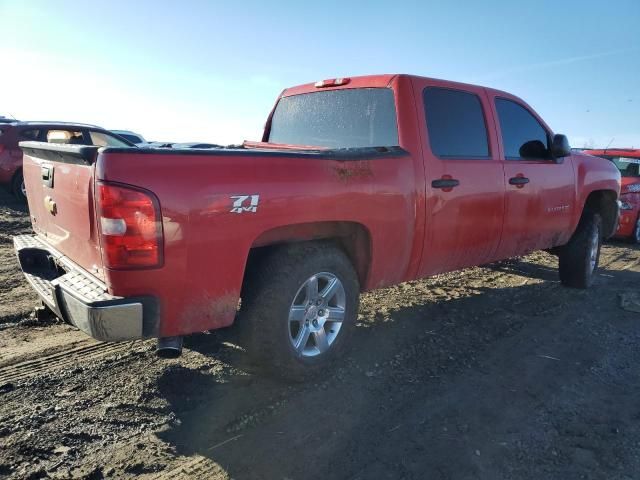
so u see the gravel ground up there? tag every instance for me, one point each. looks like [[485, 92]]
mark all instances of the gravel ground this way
[[493, 372]]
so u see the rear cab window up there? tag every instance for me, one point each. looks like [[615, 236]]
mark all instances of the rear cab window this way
[[455, 124], [523, 137], [347, 118]]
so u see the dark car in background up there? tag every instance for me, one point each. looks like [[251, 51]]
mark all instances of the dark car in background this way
[[11, 133]]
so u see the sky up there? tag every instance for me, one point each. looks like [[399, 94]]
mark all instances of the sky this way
[[211, 71]]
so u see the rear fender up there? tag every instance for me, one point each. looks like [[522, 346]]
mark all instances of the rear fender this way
[[353, 238]]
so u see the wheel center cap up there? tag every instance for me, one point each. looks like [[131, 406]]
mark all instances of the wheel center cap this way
[[316, 324], [312, 312]]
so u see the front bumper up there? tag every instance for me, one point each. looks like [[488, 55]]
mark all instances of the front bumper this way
[[80, 298], [627, 223]]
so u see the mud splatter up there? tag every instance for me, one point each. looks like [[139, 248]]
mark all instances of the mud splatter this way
[[353, 171]]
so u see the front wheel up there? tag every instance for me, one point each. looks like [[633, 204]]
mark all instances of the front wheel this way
[[299, 309], [578, 260]]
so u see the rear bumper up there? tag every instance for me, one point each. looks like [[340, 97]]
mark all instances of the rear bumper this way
[[80, 298]]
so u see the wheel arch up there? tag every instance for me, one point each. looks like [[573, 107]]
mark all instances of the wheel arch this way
[[604, 202], [351, 237]]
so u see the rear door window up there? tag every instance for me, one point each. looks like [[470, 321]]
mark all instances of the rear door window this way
[[455, 123], [73, 137], [523, 137], [105, 140], [349, 118]]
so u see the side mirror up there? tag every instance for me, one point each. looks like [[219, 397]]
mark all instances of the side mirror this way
[[533, 149], [560, 146]]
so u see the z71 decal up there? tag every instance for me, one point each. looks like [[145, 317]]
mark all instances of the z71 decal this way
[[245, 203]]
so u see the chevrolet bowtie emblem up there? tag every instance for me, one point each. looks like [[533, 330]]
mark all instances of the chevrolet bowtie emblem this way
[[50, 205]]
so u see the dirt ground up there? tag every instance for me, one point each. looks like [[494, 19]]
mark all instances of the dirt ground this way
[[494, 372]]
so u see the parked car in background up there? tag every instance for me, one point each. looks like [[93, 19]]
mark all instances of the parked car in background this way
[[357, 184], [627, 160], [131, 136], [11, 133]]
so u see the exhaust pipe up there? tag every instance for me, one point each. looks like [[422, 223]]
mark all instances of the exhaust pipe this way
[[169, 347]]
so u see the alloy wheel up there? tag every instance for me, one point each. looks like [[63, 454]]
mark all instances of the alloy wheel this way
[[316, 314]]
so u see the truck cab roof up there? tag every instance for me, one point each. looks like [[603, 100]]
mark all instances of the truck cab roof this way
[[368, 81]]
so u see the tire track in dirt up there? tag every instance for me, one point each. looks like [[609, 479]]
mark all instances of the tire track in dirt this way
[[612, 258], [47, 364], [197, 467]]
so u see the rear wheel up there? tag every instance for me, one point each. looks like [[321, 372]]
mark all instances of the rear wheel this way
[[578, 260], [18, 188], [299, 308]]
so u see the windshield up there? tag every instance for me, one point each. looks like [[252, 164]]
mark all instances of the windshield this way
[[362, 117], [629, 167]]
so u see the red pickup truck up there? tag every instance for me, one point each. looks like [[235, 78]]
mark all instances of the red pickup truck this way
[[627, 160], [357, 184]]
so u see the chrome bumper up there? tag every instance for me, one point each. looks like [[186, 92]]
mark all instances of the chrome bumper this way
[[81, 299]]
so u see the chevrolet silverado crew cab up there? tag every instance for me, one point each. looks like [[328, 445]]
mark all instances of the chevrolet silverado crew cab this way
[[357, 184], [627, 160]]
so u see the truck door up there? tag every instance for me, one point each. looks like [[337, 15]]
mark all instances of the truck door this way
[[465, 185], [540, 192]]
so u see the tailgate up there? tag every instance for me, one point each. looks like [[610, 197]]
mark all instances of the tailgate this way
[[59, 183]]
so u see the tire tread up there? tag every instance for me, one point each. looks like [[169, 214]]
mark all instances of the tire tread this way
[[573, 264]]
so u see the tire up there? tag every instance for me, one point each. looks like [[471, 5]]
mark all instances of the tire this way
[[292, 334], [635, 236], [578, 260], [17, 187]]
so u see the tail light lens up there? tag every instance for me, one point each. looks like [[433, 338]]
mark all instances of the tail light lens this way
[[130, 227]]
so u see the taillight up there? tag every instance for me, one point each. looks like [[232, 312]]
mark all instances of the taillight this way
[[130, 226]]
